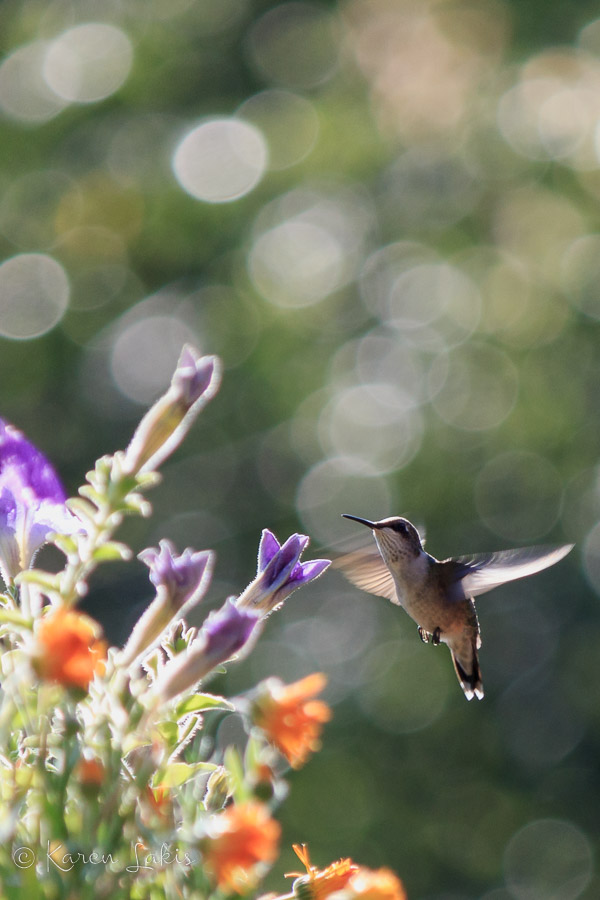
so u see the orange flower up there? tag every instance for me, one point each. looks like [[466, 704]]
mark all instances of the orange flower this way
[[69, 650], [157, 805], [242, 837], [90, 772], [290, 718], [381, 884], [316, 885]]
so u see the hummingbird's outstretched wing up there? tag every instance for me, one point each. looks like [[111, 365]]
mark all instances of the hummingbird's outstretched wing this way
[[482, 572], [366, 569]]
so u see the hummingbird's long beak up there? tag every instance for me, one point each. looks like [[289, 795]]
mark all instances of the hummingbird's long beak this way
[[366, 522]]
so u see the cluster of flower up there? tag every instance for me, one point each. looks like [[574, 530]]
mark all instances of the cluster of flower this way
[[112, 780]]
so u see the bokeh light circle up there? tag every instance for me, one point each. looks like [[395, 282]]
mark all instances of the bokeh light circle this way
[[24, 94], [563, 122], [432, 303], [382, 269], [288, 121], [518, 495], [437, 297], [295, 44], [549, 859], [336, 485], [581, 274], [537, 226], [34, 295], [517, 309], [145, 354], [539, 726], [581, 507], [518, 113], [376, 423], [88, 63], [382, 357], [591, 557], [296, 264], [474, 387], [406, 195], [29, 205], [387, 695], [309, 242], [220, 160], [552, 111]]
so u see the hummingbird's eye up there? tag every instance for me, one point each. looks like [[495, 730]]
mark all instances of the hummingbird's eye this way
[[401, 528]]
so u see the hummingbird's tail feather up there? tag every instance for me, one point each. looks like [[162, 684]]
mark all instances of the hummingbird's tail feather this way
[[468, 673]]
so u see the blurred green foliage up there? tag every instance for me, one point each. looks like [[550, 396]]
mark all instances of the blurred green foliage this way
[[405, 295]]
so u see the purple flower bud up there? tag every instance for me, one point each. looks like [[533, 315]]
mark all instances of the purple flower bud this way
[[224, 633], [196, 377], [183, 578], [195, 380], [32, 502], [279, 572], [180, 582]]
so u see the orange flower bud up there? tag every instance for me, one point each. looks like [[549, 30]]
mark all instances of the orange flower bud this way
[[90, 773], [157, 806]]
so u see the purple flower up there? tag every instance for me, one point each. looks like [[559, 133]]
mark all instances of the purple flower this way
[[32, 502], [183, 578], [279, 572], [195, 380], [223, 634]]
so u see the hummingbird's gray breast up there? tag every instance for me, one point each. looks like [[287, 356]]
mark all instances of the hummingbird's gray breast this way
[[428, 602]]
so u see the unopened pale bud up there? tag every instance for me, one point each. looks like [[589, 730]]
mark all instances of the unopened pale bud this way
[[195, 380], [218, 790]]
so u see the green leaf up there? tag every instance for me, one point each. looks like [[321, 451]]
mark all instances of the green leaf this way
[[65, 543], [137, 505], [112, 550], [12, 617], [133, 742], [169, 731], [83, 509], [254, 751], [89, 493], [147, 480], [178, 773], [233, 763], [197, 702], [45, 580]]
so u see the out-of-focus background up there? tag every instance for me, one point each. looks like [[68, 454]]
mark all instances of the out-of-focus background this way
[[384, 216]]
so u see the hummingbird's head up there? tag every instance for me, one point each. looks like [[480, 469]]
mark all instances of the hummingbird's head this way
[[396, 537]]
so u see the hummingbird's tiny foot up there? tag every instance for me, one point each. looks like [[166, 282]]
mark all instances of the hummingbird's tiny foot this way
[[436, 637], [424, 635]]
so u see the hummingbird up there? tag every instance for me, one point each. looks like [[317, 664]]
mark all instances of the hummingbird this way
[[438, 594]]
